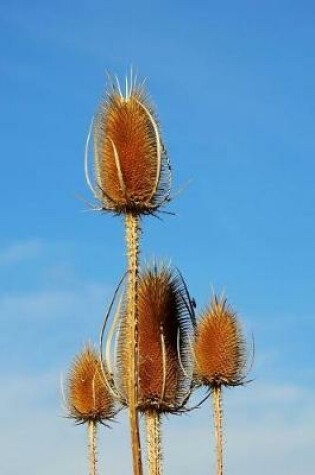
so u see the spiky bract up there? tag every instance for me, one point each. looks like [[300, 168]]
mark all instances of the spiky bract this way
[[131, 167], [88, 398], [164, 328], [219, 346]]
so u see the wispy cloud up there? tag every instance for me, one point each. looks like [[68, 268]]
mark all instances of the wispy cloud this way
[[21, 251], [46, 442], [53, 304], [275, 435], [268, 428], [43, 328]]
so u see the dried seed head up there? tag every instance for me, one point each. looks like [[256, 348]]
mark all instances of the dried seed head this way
[[87, 395], [164, 327], [132, 171], [219, 346]]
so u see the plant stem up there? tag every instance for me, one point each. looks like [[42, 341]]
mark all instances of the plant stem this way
[[154, 455], [217, 406], [92, 447], [132, 241]]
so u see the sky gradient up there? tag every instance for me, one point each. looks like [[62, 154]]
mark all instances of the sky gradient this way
[[233, 84]]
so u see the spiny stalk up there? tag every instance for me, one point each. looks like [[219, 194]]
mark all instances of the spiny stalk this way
[[217, 413], [154, 450], [132, 240], [92, 447]]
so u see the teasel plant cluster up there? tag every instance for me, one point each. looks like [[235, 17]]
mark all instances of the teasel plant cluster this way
[[154, 351]]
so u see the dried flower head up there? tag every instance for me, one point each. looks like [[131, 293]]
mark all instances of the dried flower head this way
[[88, 398], [219, 346], [164, 329], [132, 172]]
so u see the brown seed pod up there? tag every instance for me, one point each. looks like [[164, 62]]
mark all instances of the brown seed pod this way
[[88, 398], [219, 347], [132, 172], [164, 327]]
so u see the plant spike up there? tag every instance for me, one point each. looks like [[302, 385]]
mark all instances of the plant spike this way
[[131, 177], [131, 167], [220, 360], [162, 316], [88, 399]]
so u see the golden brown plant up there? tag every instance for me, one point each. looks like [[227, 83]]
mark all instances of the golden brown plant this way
[[88, 398], [132, 176], [219, 358], [87, 394], [132, 172], [219, 346], [165, 362], [164, 329]]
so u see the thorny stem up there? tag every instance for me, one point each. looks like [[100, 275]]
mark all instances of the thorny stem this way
[[154, 455], [217, 407], [132, 240], [92, 447]]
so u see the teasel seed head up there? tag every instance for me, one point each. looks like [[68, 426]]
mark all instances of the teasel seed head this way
[[220, 350], [88, 397], [165, 328], [132, 172]]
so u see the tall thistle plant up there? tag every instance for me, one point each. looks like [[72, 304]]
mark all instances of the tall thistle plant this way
[[165, 361], [88, 399], [161, 354], [220, 358], [132, 178]]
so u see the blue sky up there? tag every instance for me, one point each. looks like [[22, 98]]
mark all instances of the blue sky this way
[[234, 88]]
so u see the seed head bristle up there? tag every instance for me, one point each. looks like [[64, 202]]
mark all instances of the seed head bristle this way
[[163, 317], [219, 346], [88, 397], [130, 160]]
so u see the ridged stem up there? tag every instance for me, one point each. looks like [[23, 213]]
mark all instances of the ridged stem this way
[[154, 453], [132, 241], [217, 409], [92, 447]]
